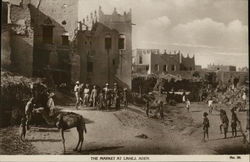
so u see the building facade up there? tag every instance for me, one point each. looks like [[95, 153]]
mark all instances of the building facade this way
[[41, 38], [212, 67], [104, 43], [150, 61]]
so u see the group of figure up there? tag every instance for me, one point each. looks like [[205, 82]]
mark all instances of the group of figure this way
[[29, 107], [101, 98], [224, 123]]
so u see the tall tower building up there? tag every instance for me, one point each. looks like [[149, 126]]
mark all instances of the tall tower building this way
[[123, 24]]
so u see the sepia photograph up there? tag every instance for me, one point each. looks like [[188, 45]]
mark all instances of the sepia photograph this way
[[134, 78]]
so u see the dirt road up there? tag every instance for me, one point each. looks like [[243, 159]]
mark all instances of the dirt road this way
[[130, 132]]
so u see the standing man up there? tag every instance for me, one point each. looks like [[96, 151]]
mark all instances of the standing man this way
[[51, 104], [184, 97], [93, 96], [125, 97], [86, 92], [116, 96], [107, 97], [234, 121], [188, 104], [210, 105], [77, 94], [224, 122], [206, 125], [244, 98], [28, 111]]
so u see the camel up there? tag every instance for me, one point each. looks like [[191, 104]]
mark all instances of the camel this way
[[64, 121]]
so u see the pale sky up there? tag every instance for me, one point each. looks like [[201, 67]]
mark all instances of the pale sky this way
[[216, 31]]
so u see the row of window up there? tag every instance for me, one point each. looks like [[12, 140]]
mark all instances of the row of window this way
[[121, 42], [165, 67]]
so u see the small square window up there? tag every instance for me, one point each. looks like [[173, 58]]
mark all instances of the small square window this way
[[65, 40]]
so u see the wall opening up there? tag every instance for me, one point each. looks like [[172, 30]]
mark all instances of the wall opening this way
[[48, 34], [173, 68], [108, 42], [140, 59], [89, 67], [121, 42], [65, 40]]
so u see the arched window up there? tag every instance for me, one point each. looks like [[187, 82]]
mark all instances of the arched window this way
[[121, 42], [108, 42]]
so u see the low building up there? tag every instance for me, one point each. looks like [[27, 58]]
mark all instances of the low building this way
[[212, 67], [198, 68], [150, 61]]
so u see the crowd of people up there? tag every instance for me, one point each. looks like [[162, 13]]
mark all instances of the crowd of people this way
[[100, 98]]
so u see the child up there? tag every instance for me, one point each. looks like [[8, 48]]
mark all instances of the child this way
[[188, 105], [234, 121], [23, 129], [224, 122], [205, 125]]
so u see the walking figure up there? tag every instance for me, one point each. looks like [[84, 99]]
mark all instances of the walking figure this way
[[224, 122], [206, 125]]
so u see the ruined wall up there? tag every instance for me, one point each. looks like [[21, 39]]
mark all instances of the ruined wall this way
[[21, 40], [5, 48], [62, 16], [63, 13]]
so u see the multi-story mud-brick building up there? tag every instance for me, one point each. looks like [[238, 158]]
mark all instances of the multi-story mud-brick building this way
[[105, 47], [41, 38]]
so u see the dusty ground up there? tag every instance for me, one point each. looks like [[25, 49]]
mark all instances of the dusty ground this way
[[130, 132]]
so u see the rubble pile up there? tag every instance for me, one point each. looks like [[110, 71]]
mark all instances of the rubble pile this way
[[231, 96]]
